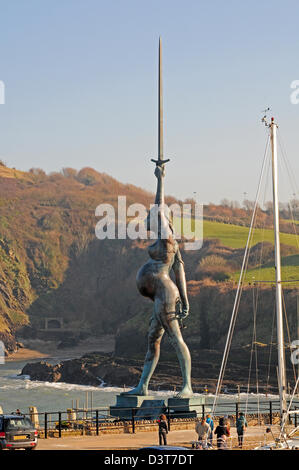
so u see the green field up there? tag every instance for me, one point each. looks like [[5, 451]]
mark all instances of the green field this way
[[235, 236], [289, 271], [290, 221]]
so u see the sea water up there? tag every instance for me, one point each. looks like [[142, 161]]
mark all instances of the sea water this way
[[19, 392]]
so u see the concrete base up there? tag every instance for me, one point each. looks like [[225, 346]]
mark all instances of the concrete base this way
[[125, 403], [151, 409], [146, 406], [187, 407]]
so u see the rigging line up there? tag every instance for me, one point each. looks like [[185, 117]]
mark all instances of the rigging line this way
[[289, 170], [255, 350], [253, 344], [271, 347], [293, 184], [287, 163], [294, 224], [255, 305], [249, 379], [288, 411], [258, 295], [251, 354], [292, 181], [294, 188], [263, 222], [288, 332], [288, 166], [240, 285]]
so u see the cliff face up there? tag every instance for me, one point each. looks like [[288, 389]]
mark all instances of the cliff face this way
[[51, 264]]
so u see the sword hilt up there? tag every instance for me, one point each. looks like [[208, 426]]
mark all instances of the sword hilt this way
[[160, 162]]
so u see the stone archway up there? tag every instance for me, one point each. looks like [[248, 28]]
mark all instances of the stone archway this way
[[53, 323]]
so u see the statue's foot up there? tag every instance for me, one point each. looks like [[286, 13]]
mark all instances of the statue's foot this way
[[186, 392], [140, 390]]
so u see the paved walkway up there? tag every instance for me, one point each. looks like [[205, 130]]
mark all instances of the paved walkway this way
[[254, 437]]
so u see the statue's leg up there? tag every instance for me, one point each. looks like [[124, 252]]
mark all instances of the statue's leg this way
[[171, 326], [155, 335]]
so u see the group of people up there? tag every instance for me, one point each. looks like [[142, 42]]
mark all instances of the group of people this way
[[205, 427]]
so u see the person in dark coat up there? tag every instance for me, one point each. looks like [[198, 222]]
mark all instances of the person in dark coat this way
[[222, 432], [163, 430], [241, 425]]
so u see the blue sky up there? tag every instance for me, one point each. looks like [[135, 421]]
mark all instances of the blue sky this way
[[81, 88]]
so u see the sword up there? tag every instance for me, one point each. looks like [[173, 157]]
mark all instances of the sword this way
[[160, 162]]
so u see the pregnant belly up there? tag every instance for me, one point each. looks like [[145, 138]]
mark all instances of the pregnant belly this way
[[146, 281], [153, 279]]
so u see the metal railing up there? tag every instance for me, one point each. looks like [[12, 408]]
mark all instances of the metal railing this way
[[95, 421]]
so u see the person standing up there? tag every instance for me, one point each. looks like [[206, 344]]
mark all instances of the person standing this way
[[222, 432], [241, 425], [210, 422], [202, 428], [163, 430]]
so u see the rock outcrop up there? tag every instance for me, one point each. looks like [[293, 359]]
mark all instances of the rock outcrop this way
[[91, 369], [100, 369]]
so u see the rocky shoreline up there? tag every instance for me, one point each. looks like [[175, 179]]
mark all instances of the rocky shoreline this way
[[91, 369], [104, 369], [100, 369]]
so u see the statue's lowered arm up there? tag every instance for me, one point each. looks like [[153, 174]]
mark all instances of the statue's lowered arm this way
[[180, 278]]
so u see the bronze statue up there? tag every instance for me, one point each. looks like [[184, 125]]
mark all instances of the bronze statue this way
[[170, 299]]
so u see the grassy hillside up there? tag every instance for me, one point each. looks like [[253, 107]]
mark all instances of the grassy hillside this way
[[289, 271], [231, 242], [235, 236]]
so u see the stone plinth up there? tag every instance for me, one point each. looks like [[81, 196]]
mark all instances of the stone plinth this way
[[125, 403], [149, 407], [187, 407]]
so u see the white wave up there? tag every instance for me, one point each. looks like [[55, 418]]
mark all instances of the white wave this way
[[102, 384], [246, 396], [23, 382], [18, 377]]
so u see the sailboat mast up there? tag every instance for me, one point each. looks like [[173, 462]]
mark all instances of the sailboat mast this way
[[279, 311]]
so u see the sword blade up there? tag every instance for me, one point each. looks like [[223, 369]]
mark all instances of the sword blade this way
[[160, 110]]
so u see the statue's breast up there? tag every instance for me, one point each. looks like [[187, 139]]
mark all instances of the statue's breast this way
[[162, 250]]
